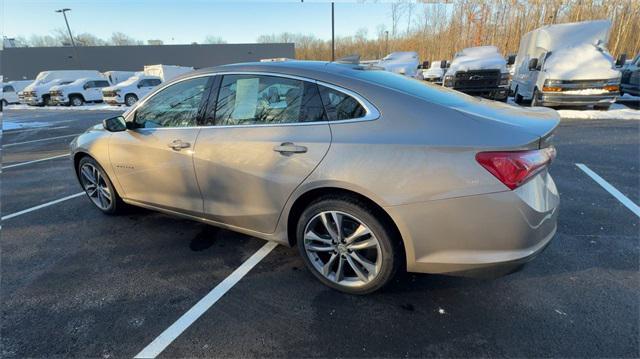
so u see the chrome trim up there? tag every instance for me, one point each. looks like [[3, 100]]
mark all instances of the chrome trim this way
[[372, 112]]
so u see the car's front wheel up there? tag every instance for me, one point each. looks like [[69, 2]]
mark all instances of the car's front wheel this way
[[130, 100], [347, 246], [98, 186]]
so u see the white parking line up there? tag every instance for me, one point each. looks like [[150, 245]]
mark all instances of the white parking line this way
[[35, 161], [40, 140], [609, 188], [170, 334], [9, 132], [16, 214]]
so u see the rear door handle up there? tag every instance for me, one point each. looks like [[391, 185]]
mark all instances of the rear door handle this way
[[177, 145], [287, 148]]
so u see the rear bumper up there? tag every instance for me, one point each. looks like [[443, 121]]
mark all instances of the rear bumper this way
[[483, 235], [560, 99]]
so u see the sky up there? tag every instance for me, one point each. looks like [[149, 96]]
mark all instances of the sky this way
[[183, 22]]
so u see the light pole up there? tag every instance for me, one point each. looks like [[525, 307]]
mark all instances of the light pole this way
[[64, 13], [386, 42], [333, 35]]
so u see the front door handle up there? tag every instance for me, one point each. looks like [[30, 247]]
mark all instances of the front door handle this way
[[177, 145], [288, 148]]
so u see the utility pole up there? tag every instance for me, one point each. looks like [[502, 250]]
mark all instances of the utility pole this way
[[386, 43], [64, 13], [333, 34]]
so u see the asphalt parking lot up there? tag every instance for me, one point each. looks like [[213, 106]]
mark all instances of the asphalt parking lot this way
[[78, 283]]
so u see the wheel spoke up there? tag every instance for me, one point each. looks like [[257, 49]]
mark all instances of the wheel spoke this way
[[91, 190], [337, 219], [359, 272], [312, 236], [358, 233], [327, 267], [105, 193], [328, 227], [88, 175], [340, 270], [315, 248], [367, 243], [370, 267]]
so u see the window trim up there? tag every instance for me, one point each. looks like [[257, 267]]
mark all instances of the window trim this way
[[372, 112]]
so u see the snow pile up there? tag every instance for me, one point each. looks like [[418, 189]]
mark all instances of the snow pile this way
[[478, 58], [561, 36], [585, 92], [582, 62], [85, 107], [404, 63], [618, 114]]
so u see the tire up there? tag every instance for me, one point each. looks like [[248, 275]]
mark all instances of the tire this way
[[534, 98], [517, 98], [76, 101], [46, 101], [602, 107], [97, 197], [364, 270], [130, 99], [3, 104]]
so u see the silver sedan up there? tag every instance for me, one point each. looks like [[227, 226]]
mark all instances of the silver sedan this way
[[366, 171]]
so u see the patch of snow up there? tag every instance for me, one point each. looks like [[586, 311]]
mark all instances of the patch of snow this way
[[619, 114], [478, 58], [581, 62], [628, 97], [585, 92], [86, 107], [441, 311]]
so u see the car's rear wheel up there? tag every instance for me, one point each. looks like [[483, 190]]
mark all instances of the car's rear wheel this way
[[602, 107], [534, 99], [347, 246], [130, 99], [98, 186], [517, 98], [3, 103]]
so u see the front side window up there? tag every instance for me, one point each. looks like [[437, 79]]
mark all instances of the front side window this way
[[102, 84], [257, 99], [340, 106], [89, 84], [150, 82], [174, 106], [8, 88]]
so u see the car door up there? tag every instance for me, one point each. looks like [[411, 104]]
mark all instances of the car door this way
[[96, 89], [261, 138], [153, 162]]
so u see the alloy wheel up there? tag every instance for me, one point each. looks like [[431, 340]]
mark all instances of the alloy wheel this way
[[95, 186], [342, 248]]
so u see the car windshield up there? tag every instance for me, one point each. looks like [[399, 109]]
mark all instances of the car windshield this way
[[131, 80], [424, 90]]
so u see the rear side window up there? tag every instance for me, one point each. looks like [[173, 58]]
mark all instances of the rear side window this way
[[258, 99], [8, 88], [340, 106]]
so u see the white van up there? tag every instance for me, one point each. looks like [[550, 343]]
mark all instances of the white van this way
[[566, 64], [479, 71], [10, 91], [37, 93], [166, 72], [131, 90], [115, 77], [76, 93], [435, 72]]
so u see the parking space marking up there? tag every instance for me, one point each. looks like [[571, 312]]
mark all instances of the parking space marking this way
[[170, 334], [9, 132], [24, 211], [40, 140], [35, 161], [612, 190]]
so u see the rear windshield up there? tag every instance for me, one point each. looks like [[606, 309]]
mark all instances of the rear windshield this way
[[422, 89]]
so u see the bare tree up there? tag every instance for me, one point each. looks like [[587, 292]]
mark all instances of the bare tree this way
[[211, 39]]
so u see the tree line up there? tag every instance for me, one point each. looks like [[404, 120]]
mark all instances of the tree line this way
[[436, 30]]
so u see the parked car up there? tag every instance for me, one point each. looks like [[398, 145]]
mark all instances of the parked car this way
[[630, 80], [366, 170], [130, 91], [479, 71], [435, 72], [115, 77], [37, 93], [548, 74], [404, 63], [76, 93], [10, 91]]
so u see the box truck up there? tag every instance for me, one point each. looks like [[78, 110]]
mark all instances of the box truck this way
[[566, 65]]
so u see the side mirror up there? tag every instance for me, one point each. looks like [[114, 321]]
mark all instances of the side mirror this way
[[85, 86], [621, 60], [511, 59], [139, 84], [425, 64], [115, 124], [443, 64], [533, 64]]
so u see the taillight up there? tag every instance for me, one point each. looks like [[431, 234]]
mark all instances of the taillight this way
[[513, 168]]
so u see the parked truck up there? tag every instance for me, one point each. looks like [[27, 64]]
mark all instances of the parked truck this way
[[404, 63], [131, 90], [37, 93], [567, 65], [630, 82], [115, 77], [479, 71], [10, 91], [76, 93], [435, 72]]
